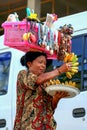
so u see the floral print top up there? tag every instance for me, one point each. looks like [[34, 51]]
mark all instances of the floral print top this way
[[34, 105]]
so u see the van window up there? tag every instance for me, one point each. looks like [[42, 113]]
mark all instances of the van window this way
[[5, 59], [79, 46]]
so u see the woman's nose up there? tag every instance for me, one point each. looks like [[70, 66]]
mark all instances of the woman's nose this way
[[44, 65]]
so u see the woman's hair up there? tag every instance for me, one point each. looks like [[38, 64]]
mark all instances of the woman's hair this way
[[30, 56]]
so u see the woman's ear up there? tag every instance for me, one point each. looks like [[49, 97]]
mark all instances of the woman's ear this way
[[29, 64]]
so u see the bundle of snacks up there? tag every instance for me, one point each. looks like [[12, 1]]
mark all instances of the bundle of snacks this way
[[31, 33], [57, 82], [65, 41], [74, 60]]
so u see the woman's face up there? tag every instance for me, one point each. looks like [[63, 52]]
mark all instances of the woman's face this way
[[37, 66]]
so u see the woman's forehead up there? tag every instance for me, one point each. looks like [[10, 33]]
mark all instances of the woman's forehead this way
[[41, 57]]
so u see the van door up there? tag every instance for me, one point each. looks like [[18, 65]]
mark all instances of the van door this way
[[71, 113], [5, 96]]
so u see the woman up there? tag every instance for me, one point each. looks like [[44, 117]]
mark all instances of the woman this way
[[35, 108]]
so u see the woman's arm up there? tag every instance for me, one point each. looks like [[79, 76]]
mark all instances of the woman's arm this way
[[52, 74]]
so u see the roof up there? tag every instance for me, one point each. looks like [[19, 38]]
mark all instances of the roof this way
[[59, 7]]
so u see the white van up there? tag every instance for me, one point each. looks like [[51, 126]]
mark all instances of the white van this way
[[9, 68], [71, 113]]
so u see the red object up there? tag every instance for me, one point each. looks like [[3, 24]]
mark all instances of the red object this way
[[33, 38], [59, 37]]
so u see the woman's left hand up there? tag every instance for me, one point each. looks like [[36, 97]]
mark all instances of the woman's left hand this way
[[57, 97]]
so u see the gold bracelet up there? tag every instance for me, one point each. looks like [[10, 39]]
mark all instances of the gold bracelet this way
[[59, 71]]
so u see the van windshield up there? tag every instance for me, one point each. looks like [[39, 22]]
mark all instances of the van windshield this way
[[5, 59]]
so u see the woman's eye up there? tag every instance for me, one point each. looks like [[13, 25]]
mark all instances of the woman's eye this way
[[41, 62]]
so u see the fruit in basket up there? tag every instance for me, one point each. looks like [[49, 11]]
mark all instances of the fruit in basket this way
[[26, 36], [32, 38], [29, 37]]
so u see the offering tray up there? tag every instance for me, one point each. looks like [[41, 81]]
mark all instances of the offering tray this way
[[72, 91]]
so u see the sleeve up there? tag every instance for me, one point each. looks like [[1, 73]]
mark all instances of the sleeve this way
[[27, 80]]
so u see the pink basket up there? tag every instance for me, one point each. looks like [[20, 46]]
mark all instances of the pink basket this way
[[13, 32], [13, 37]]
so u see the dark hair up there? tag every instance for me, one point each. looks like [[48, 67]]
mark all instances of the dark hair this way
[[30, 56]]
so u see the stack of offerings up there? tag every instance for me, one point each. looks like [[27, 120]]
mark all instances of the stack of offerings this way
[[31, 34]]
